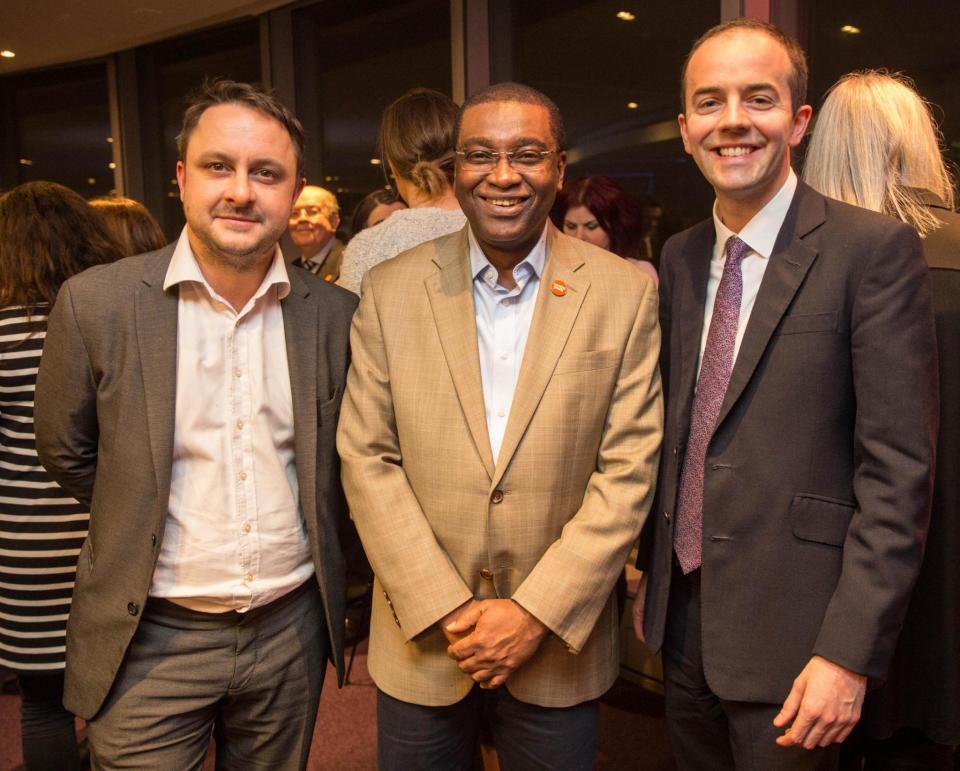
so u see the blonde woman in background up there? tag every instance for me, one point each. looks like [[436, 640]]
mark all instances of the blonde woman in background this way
[[417, 146], [875, 145]]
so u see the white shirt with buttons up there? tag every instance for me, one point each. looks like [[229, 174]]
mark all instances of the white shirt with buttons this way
[[234, 537]]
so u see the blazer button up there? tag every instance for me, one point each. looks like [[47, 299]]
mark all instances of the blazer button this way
[[497, 496], [487, 574], [153, 539], [133, 608], [666, 515]]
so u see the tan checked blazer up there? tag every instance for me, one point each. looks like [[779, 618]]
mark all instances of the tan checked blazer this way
[[550, 523]]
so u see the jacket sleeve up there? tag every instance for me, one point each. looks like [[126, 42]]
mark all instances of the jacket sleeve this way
[[65, 412]]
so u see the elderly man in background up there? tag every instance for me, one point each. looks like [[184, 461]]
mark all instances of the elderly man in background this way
[[313, 225]]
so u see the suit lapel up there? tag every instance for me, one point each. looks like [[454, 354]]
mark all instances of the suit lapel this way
[[789, 263], [300, 318], [156, 320], [450, 292], [553, 319], [687, 315]]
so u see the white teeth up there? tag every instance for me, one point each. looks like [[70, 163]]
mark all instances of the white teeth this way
[[729, 152], [503, 201]]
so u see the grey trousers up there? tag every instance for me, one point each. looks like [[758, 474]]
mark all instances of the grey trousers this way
[[251, 680]]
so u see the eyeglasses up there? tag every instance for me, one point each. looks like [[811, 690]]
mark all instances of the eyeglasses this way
[[308, 211], [520, 160]]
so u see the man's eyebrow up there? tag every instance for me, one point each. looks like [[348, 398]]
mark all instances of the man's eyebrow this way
[[518, 142]]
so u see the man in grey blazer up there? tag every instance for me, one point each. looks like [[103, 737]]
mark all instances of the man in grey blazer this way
[[190, 397], [799, 365]]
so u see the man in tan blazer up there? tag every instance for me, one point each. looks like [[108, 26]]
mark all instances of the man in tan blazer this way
[[499, 435]]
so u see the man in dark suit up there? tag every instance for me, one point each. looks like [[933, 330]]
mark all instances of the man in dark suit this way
[[190, 397], [313, 225], [799, 364]]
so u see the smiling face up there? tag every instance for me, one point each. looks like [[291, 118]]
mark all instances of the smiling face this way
[[314, 220], [739, 124], [237, 183], [579, 222], [507, 209]]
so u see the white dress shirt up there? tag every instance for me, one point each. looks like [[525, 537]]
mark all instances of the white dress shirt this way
[[760, 235], [234, 537], [503, 323]]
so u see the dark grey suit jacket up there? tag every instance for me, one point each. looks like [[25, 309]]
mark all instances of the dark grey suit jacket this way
[[104, 422], [817, 481]]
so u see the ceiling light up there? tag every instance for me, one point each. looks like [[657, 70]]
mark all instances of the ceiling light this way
[[626, 16], [6, 53], [112, 165], [91, 181], [375, 161], [110, 140], [849, 29], [632, 105], [26, 162]]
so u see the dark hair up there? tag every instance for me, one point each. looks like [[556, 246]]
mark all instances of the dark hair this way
[[614, 208], [516, 92], [798, 59], [366, 206], [221, 91], [47, 234], [417, 139], [130, 225]]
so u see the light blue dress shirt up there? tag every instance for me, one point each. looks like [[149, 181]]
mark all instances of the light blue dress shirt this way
[[503, 322]]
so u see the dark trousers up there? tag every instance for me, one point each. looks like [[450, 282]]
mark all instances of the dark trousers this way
[[708, 732], [907, 750], [49, 740], [252, 680], [527, 737]]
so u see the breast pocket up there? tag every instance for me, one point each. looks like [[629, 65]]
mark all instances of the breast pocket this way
[[800, 323], [587, 361], [329, 409]]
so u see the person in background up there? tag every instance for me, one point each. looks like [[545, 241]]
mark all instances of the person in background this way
[[416, 146], [599, 211], [47, 234], [374, 208], [875, 145], [130, 225], [800, 365], [313, 225]]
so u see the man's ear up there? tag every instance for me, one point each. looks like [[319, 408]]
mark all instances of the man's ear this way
[[562, 167], [682, 120], [181, 175], [334, 220], [801, 120], [299, 189]]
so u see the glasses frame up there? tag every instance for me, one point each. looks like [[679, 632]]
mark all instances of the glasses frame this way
[[509, 155]]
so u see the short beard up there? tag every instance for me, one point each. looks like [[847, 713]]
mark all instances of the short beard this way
[[240, 260]]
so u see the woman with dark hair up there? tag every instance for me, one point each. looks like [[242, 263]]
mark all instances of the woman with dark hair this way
[[599, 211], [374, 208], [417, 147], [47, 234], [130, 225], [876, 145]]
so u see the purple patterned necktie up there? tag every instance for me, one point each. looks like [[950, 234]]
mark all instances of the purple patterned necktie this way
[[715, 371]]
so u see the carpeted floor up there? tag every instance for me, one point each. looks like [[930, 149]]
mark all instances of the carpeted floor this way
[[632, 731]]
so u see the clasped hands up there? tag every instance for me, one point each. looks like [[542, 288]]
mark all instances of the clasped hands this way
[[491, 639]]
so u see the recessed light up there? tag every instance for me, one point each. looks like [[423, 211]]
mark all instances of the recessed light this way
[[626, 16], [110, 140], [375, 161], [849, 29], [91, 180], [112, 165], [6, 53], [632, 105], [26, 162]]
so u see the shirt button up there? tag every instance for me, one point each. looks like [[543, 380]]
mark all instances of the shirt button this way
[[497, 496], [237, 373], [504, 355], [501, 412], [248, 577], [487, 574], [132, 608], [239, 425], [243, 475], [247, 527]]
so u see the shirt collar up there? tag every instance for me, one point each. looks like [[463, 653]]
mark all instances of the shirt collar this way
[[534, 261], [183, 268], [320, 256], [761, 232]]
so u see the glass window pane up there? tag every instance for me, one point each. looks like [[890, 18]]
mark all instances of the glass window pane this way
[[63, 128], [616, 81], [354, 57]]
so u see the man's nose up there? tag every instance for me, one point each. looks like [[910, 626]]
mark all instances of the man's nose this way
[[503, 174], [240, 191], [733, 115]]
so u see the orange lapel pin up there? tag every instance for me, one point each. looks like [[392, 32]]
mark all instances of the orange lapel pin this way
[[559, 288]]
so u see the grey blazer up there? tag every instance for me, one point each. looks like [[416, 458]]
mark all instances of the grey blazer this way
[[104, 423], [818, 476]]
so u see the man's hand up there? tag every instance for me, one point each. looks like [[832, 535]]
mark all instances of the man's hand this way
[[639, 601], [503, 637], [826, 701], [452, 617]]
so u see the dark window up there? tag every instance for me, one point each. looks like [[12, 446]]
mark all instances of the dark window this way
[[352, 58], [58, 126]]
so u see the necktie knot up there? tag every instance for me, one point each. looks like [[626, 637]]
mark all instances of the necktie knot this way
[[736, 249]]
